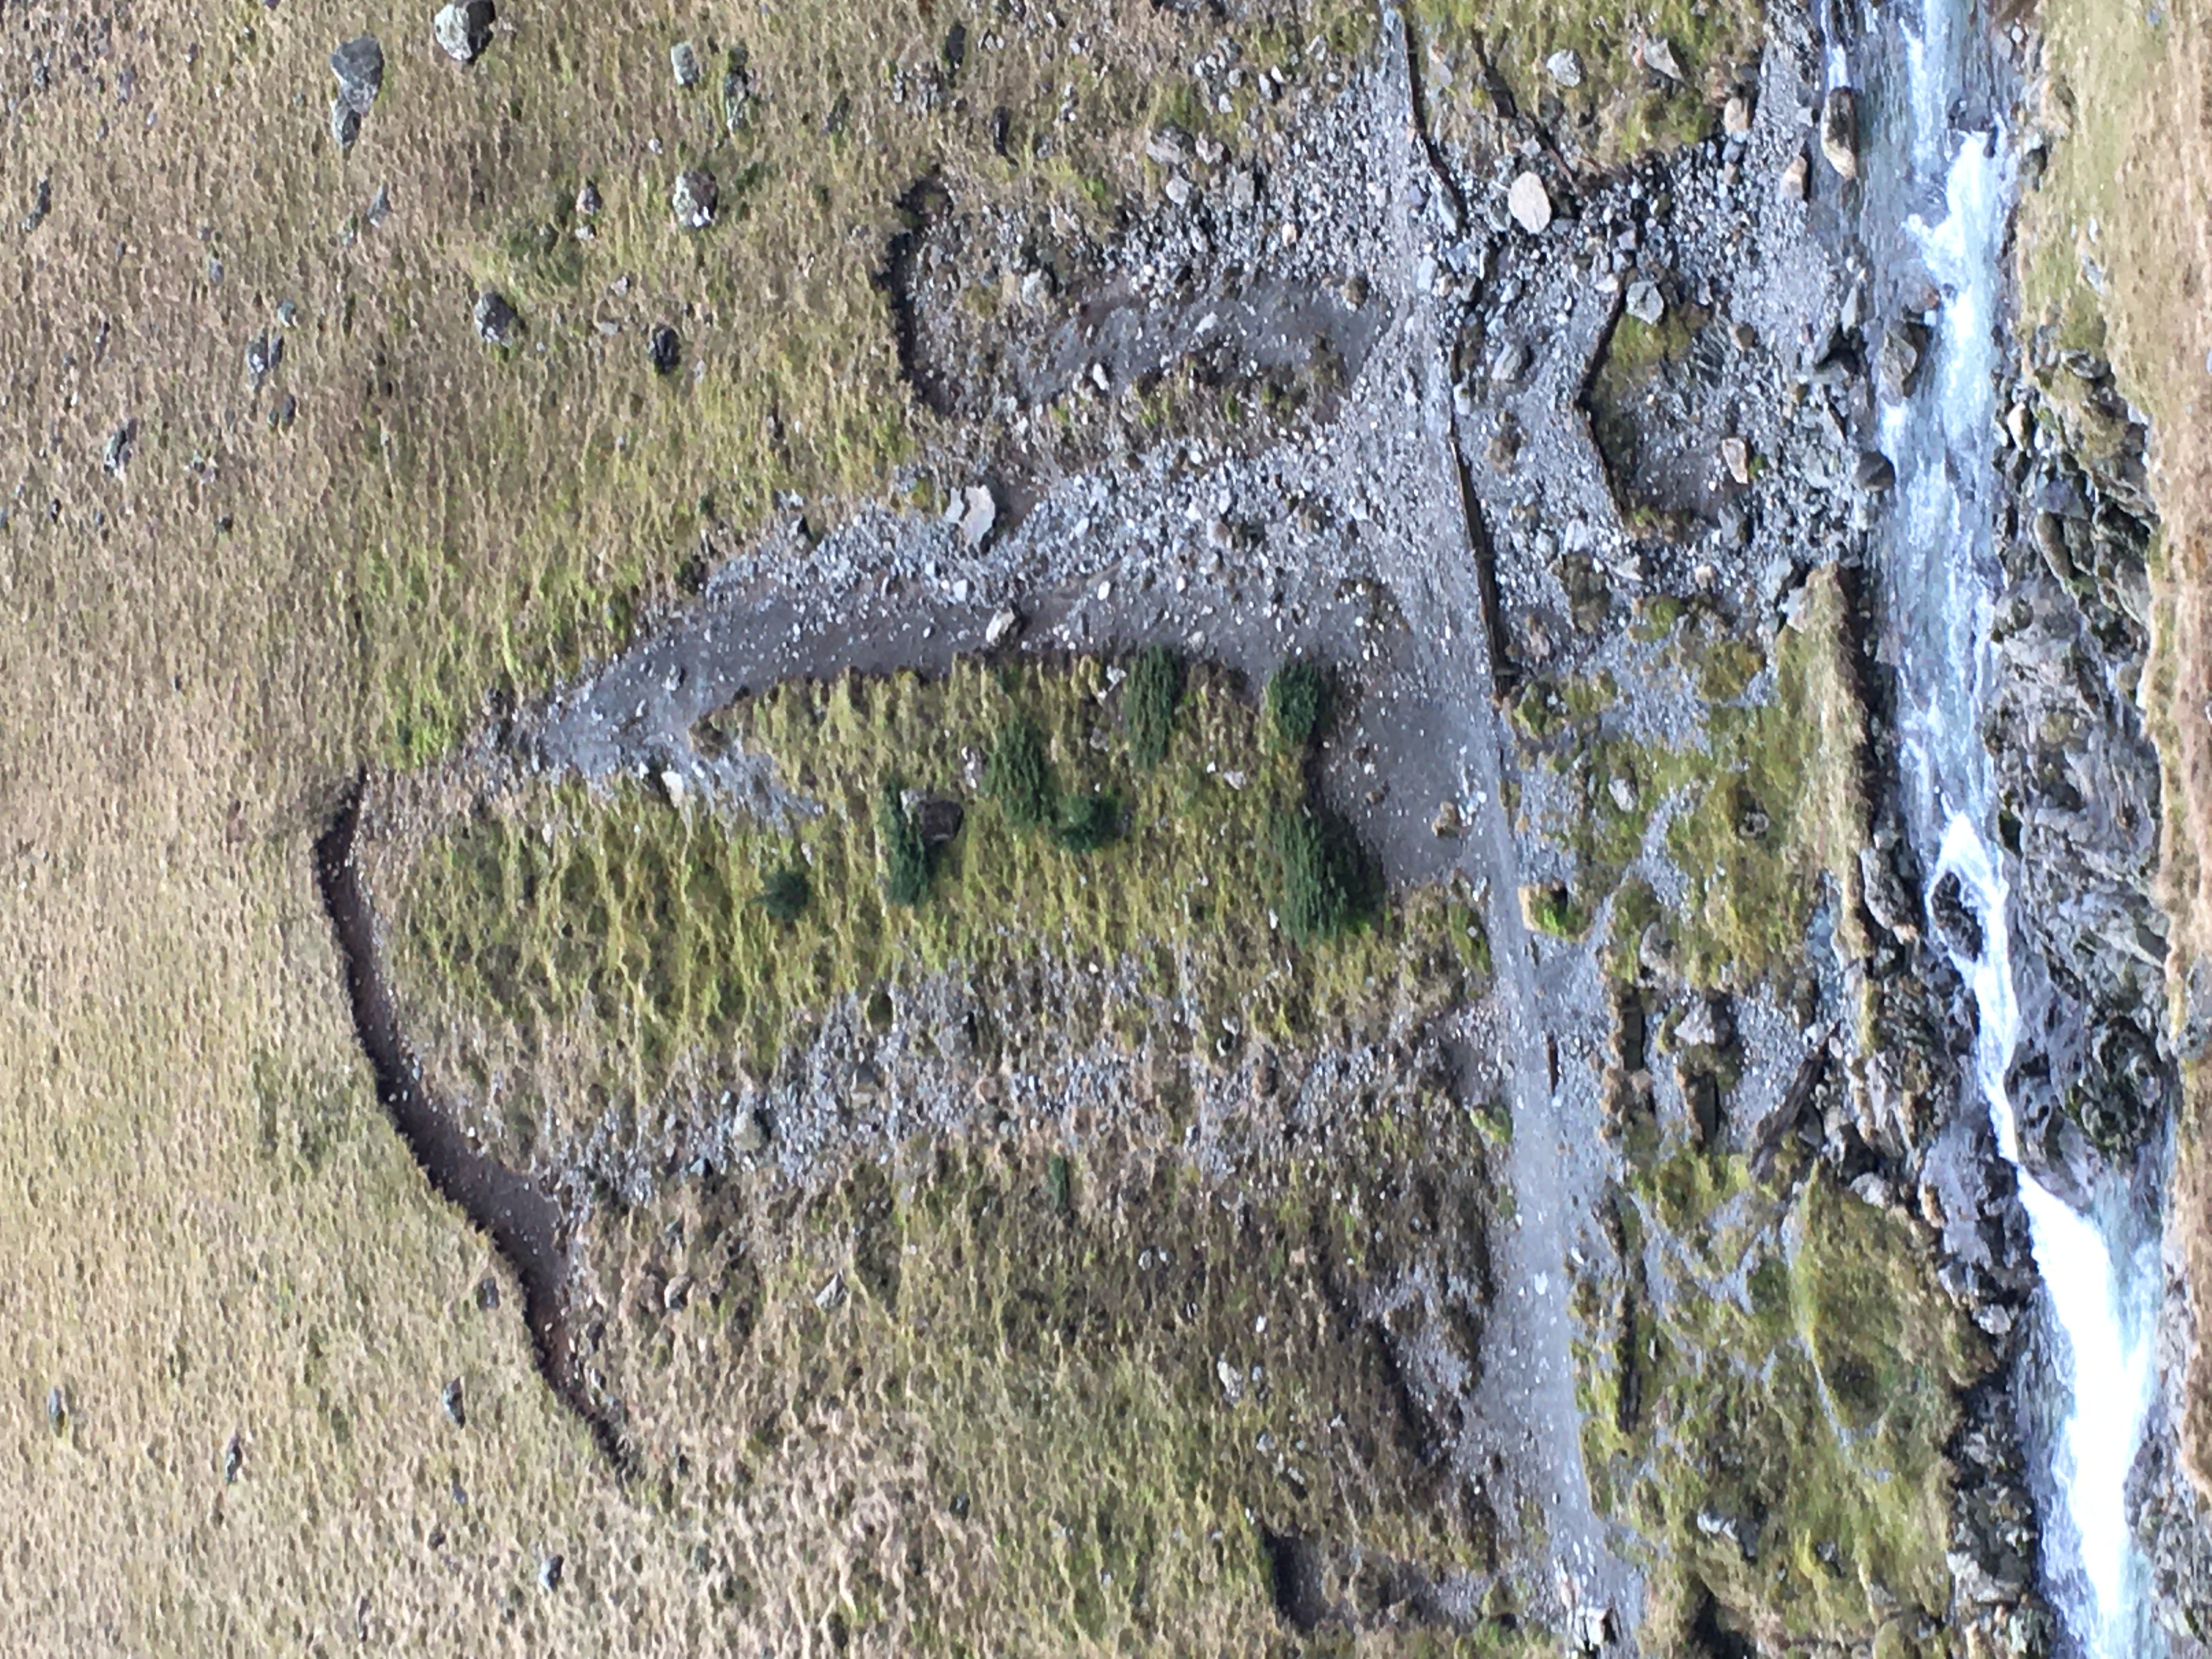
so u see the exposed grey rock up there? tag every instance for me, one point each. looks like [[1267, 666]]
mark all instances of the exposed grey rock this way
[[1565, 67], [587, 200], [664, 349], [1530, 204], [42, 203], [693, 199], [1735, 116], [683, 63], [550, 1570], [56, 1409], [1736, 456], [1794, 179], [264, 352], [1659, 57], [979, 511], [496, 322], [379, 208], [1840, 131], [737, 91], [116, 454], [233, 1458], [1886, 900], [462, 29], [1005, 623], [456, 1408], [1646, 303], [1873, 470], [1897, 364], [359, 66], [345, 124]]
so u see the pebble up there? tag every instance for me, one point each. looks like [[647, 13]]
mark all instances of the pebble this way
[[1735, 116], [345, 124], [979, 511], [462, 29], [495, 321], [1646, 303], [1735, 455], [456, 1408], [1793, 179], [1530, 204], [117, 455], [693, 199], [359, 66], [683, 63], [1564, 68], [548, 1572]]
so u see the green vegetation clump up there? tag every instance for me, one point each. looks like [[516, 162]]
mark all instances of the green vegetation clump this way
[[1020, 773], [785, 894], [909, 862], [1149, 701], [1089, 821], [1299, 696], [1320, 888]]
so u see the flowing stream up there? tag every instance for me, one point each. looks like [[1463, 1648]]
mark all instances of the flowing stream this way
[[2085, 1396]]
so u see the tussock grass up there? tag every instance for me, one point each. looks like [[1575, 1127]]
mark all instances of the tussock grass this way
[[603, 928], [1021, 1372]]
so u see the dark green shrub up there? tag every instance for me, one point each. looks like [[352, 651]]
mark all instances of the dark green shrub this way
[[1089, 821], [1298, 699], [1020, 775], [785, 894], [907, 859], [1321, 885], [1149, 700]]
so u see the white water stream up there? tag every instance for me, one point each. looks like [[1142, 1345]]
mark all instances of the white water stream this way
[[1945, 578]]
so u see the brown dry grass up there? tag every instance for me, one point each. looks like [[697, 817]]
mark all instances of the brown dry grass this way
[[209, 1230], [2130, 189]]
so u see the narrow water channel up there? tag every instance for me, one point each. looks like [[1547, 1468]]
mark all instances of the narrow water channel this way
[[2085, 1386]]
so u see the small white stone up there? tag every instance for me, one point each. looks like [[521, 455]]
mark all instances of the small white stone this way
[[1530, 204]]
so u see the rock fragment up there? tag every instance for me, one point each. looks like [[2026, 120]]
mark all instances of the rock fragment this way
[[979, 511], [693, 199], [1659, 57], [683, 63], [1646, 303], [1840, 131], [462, 29], [455, 1408], [1897, 364], [1735, 455], [1005, 623], [664, 349], [359, 66], [1735, 116], [1793, 179], [1529, 204], [42, 203], [495, 321], [345, 124], [116, 454], [737, 91], [1872, 471], [1564, 68]]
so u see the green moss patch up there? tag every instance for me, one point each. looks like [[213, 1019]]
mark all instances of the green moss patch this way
[[1772, 804], [1621, 107], [1771, 1412]]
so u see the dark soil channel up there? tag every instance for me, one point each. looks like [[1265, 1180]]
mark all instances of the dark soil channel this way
[[521, 1218]]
